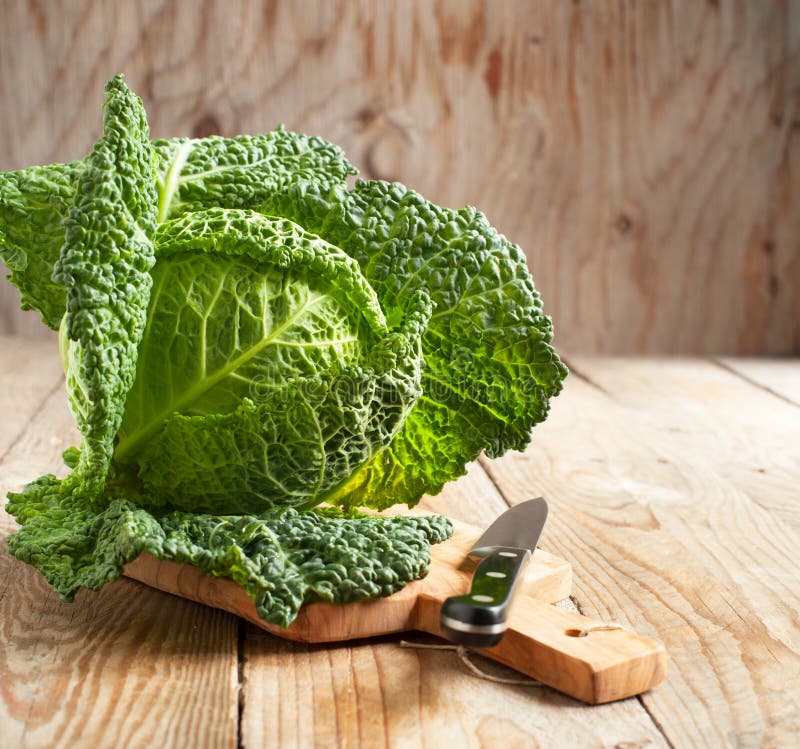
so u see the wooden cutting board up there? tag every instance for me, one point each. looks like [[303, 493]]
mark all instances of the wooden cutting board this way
[[541, 641]]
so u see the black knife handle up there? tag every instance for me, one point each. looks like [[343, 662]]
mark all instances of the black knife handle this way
[[479, 619]]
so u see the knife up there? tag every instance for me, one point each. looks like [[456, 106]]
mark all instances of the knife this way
[[480, 618]]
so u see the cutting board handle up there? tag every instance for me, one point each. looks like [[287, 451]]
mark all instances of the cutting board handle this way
[[544, 642]]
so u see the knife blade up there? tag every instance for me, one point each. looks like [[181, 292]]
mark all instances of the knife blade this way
[[480, 618]]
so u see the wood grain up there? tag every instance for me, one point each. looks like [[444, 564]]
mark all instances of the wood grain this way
[[128, 666], [380, 695], [673, 493], [23, 397], [546, 643], [542, 641], [645, 155], [673, 485]]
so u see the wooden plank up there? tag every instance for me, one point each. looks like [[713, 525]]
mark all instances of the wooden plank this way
[[634, 150], [126, 666], [646, 466], [29, 371], [779, 376], [376, 694], [39, 424], [729, 428]]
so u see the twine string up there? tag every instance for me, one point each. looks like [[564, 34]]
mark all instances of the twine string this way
[[464, 655]]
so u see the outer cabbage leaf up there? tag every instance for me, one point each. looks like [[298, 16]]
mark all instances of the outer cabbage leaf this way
[[243, 171], [282, 558], [104, 265], [33, 205], [267, 373], [489, 367]]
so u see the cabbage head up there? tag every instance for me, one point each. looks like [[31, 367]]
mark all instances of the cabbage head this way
[[253, 350]]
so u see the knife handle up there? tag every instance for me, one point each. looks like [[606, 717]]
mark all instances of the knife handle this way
[[480, 618]]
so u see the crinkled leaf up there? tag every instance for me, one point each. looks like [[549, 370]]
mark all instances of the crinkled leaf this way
[[104, 265], [242, 172], [282, 558], [72, 543], [489, 367], [33, 205]]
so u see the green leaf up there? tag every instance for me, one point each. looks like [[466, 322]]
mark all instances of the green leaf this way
[[490, 369], [243, 171], [104, 265], [73, 543], [282, 558], [33, 205]]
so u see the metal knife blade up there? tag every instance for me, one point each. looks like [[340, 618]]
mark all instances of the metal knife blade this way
[[519, 526], [480, 618]]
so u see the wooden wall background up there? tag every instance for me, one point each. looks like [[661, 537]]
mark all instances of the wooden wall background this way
[[646, 155]]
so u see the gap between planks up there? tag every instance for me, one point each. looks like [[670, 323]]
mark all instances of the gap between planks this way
[[733, 366], [241, 691]]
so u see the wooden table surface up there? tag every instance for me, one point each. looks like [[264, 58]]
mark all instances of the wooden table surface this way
[[673, 487]]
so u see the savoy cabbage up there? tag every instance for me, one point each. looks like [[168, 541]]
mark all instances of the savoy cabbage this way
[[245, 339]]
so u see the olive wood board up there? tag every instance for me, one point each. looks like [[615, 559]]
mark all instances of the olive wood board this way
[[541, 641]]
